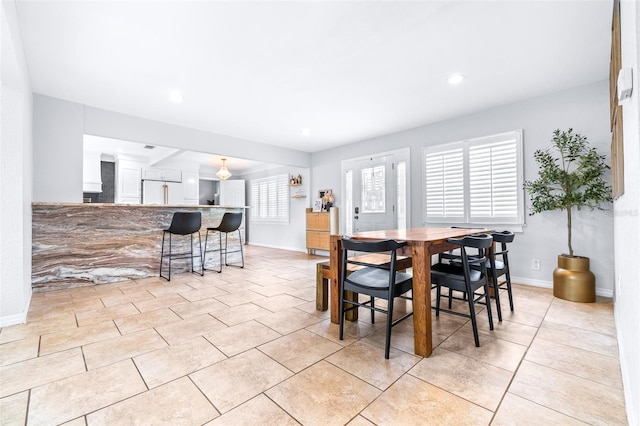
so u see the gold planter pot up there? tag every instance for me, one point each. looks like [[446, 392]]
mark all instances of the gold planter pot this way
[[572, 280]]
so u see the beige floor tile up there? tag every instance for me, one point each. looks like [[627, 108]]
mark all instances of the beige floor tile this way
[[234, 381], [412, 401], [164, 365], [445, 324], [13, 409], [507, 330], [310, 308], [19, 350], [367, 362], [270, 290], [288, 321], [116, 349], [200, 307], [516, 411], [493, 351], [475, 381], [601, 343], [360, 421], [80, 336], [353, 331], [38, 371], [176, 403], [170, 288], [331, 396], [257, 411], [300, 349], [38, 327], [78, 395], [204, 292], [238, 297], [573, 396], [181, 331], [80, 421], [579, 362], [279, 303], [134, 296], [106, 314], [402, 336], [596, 317], [159, 302], [240, 313], [146, 320], [242, 337], [59, 308]]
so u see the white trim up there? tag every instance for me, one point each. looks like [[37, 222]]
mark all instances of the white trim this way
[[296, 249], [20, 318], [604, 292]]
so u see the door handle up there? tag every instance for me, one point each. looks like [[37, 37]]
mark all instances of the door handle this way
[[355, 217]]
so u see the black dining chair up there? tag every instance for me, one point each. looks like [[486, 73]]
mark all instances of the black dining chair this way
[[500, 266], [463, 276], [182, 223], [230, 223], [381, 280]]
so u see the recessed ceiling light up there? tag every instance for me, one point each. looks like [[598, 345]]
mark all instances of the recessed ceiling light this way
[[175, 96], [306, 131], [455, 79]]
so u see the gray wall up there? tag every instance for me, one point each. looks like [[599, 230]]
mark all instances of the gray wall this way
[[59, 127], [15, 173], [584, 108], [290, 236]]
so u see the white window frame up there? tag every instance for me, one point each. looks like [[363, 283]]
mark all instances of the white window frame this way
[[270, 199], [463, 216]]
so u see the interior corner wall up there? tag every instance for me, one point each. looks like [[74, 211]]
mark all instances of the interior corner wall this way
[[288, 236], [627, 222], [15, 173], [585, 109]]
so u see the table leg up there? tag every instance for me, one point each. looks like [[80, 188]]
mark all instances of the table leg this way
[[422, 299]]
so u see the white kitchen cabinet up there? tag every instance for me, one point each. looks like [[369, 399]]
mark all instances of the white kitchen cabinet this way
[[165, 175], [191, 185], [128, 181], [91, 173]]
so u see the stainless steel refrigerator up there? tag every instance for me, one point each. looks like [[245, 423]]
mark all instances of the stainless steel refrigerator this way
[[157, 192]]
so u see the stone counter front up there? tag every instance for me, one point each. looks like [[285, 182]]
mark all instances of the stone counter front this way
[[75, 245]]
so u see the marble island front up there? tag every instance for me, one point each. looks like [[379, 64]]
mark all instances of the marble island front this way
[[78, 244]]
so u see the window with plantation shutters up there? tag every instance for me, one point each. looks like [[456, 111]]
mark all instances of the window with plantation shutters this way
[[476, 181], [270, 199]]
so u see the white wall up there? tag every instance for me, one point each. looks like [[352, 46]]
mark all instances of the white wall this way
[[583, 108], [15, 173], [59, 126], [627, 223], [290, 236]]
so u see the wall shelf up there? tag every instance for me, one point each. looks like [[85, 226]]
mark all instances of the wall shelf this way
[[298, 196]]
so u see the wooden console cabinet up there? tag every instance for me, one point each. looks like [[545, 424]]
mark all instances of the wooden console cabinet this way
[[320, 225]]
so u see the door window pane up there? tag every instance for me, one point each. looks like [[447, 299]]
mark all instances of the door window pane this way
[[373, 183]]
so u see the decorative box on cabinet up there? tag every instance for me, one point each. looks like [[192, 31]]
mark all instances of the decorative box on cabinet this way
[[320, 225]]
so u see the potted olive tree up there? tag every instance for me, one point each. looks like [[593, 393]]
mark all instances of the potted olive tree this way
[[570, 175]]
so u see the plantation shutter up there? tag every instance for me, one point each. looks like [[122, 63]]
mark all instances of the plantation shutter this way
[[444, 183], [270, 199]]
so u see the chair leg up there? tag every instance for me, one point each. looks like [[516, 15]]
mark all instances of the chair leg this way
[[169, 279], [191, 251], [373, 313], [201, 261], [487, 300], [496, 294], [241, 252], [162, 255], [387, 340], [472, 312], [438, 293], [508, 278], [341, 311], [204, 255]]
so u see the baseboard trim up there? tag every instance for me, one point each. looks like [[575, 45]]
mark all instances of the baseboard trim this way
[[604, 292], [19, 318]]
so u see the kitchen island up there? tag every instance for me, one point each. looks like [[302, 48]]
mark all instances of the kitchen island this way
[[79, 244]]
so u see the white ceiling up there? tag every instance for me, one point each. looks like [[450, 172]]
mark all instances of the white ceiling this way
[[347, 70]]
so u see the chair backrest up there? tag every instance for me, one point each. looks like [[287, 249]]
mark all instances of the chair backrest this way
[[185, 223], [481, 242], [389, 247], [503, 237], [230, 222]]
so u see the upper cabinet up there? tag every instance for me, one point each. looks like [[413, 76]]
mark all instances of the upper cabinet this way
[[191, 184], [91, 175], [166, 175], [128, 181]]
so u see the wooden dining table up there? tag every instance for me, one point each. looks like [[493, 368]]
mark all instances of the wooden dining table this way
[[422, 243]]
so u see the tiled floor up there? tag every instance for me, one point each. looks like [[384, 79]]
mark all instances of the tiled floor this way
[[247, 347]]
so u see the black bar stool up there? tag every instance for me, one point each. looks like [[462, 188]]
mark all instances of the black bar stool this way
[[230, 223], [183, 223]]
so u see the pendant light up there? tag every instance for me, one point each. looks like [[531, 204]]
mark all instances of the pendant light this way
[[223, 173]]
